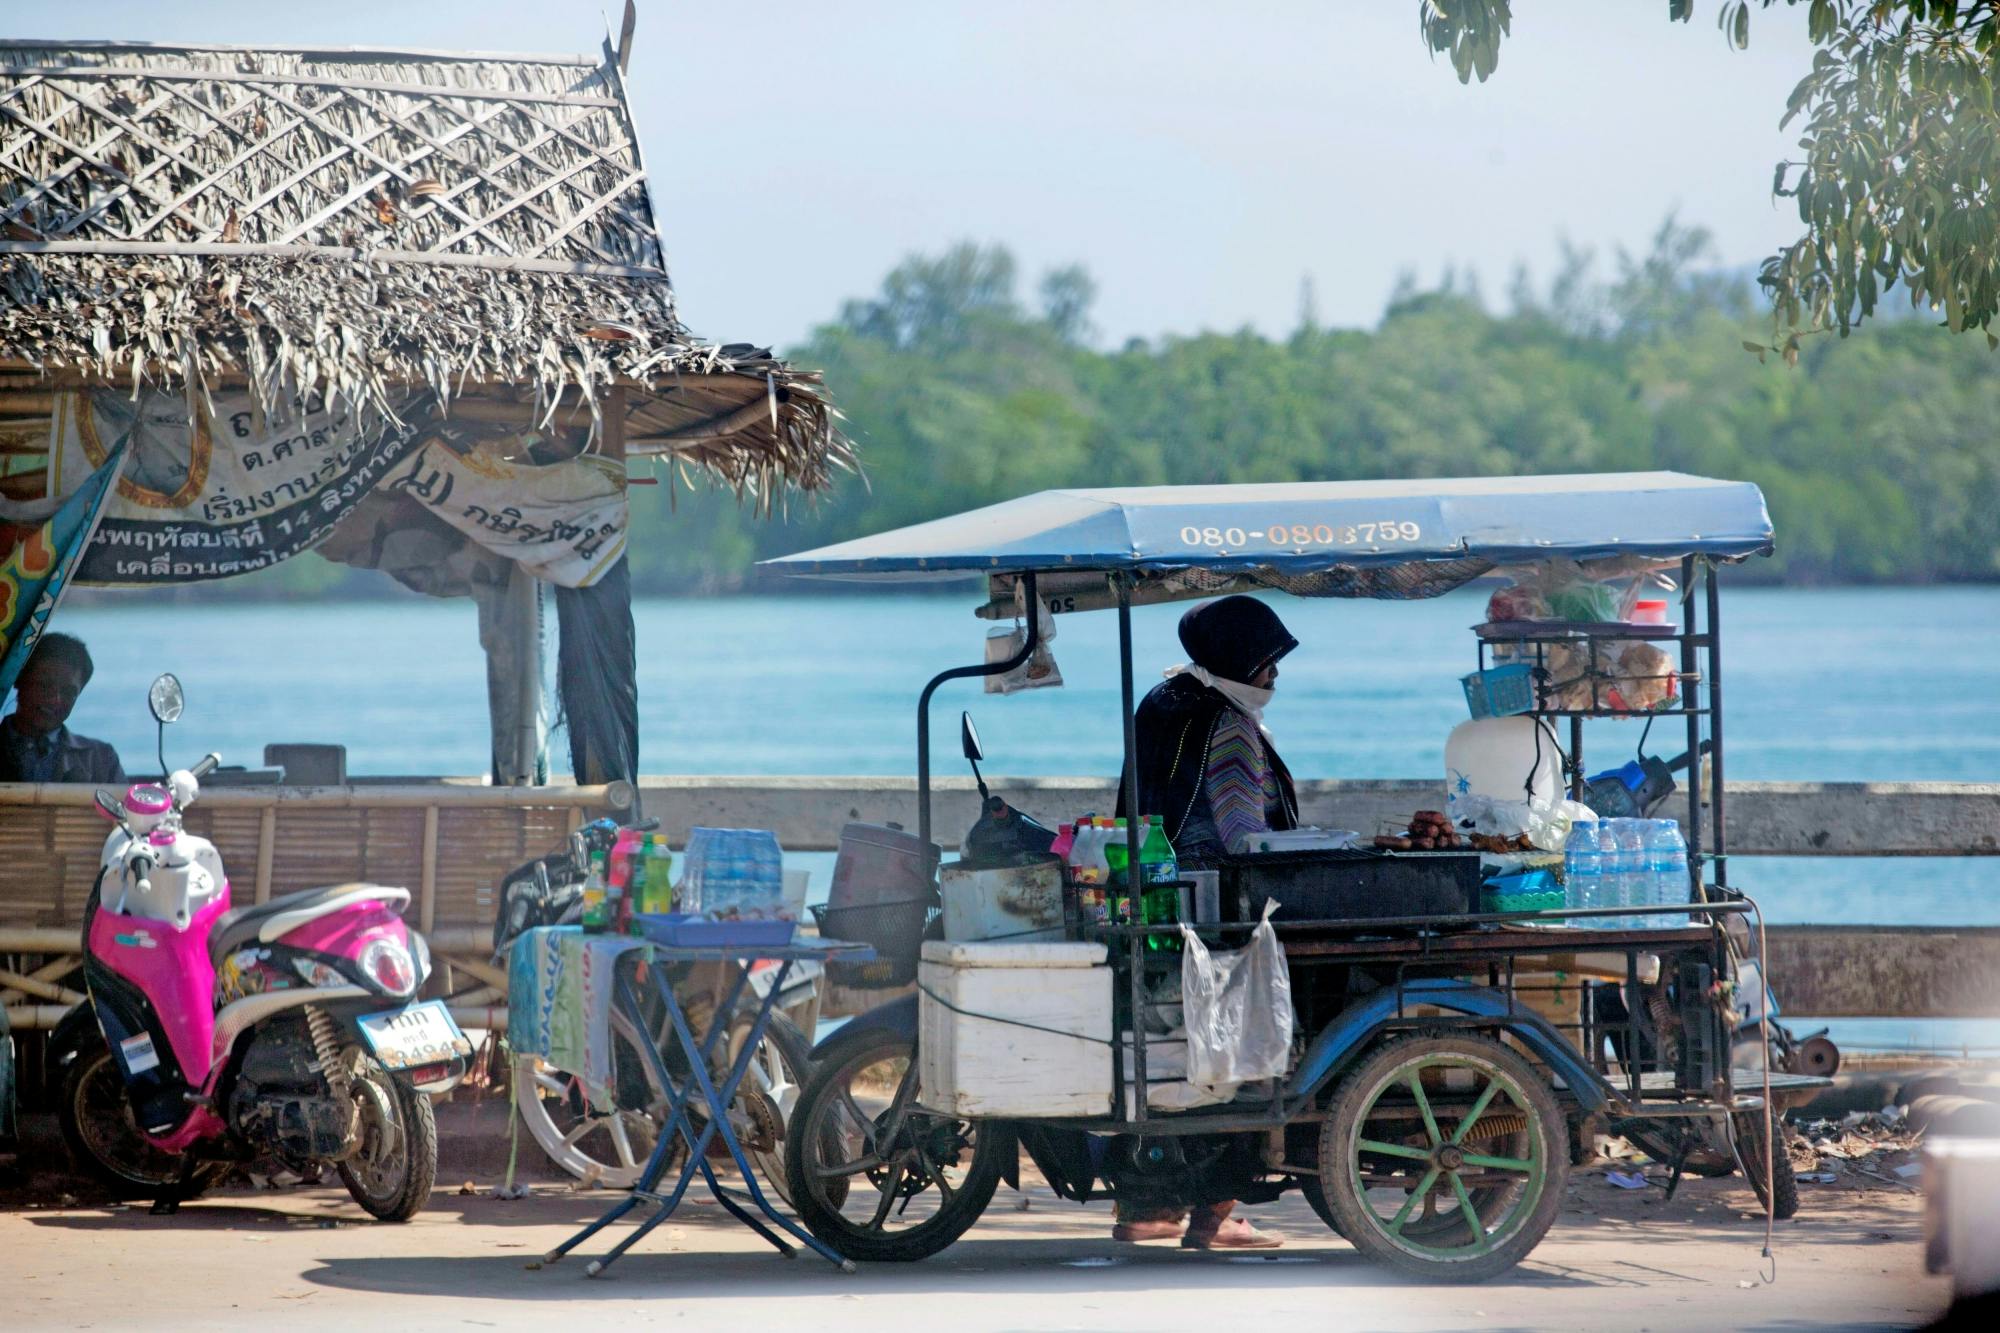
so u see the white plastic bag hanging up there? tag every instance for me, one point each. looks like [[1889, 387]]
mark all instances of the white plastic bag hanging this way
[[1040, 670], [1238, 1008]]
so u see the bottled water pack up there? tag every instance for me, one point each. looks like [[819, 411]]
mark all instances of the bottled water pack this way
[[1627, 863], [733, 874]]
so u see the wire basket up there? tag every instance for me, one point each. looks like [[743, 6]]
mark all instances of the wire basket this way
[[1500, 691], [895, 930]]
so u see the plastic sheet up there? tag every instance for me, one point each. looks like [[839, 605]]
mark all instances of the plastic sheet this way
[[1238, 1009], [597, 671]]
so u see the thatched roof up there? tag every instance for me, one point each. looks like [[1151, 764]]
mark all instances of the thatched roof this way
[[363, 223]]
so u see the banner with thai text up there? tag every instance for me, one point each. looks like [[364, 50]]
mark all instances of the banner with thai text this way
[[206, 494]]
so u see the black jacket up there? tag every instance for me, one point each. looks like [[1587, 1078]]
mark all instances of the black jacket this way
[[1173, 724]]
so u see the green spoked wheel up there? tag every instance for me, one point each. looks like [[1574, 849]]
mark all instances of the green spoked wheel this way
[[1444, 1157]]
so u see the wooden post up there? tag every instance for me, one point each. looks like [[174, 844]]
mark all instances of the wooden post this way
[[267, 847], [427, 890]]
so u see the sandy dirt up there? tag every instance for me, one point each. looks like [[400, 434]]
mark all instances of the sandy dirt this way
[[308, 1259]]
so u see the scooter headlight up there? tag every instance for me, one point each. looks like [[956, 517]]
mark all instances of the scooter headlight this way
[[389, 965]]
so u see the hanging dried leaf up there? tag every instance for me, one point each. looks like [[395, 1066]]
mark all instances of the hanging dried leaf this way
[[426, 188]]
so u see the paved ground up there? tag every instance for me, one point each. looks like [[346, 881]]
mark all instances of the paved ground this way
[[307, 1260]]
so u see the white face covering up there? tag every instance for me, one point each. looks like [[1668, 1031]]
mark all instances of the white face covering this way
[[1247, 698]]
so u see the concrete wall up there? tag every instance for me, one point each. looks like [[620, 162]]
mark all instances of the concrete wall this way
[[1765, 818]]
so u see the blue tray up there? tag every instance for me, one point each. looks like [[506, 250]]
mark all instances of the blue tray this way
[[684, 930]]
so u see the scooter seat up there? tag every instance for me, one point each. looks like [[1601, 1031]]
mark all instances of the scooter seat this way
[[244, 925]]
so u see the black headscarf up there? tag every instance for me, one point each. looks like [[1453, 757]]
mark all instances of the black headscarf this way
[[1235, 637], [1232, 638]]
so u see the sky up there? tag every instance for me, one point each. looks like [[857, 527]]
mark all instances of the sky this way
[[1200, 159]]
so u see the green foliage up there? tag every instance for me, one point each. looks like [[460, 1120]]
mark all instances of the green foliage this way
[[1900, 155], [1876, 453]]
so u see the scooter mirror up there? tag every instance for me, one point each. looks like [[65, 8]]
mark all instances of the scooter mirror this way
[[968, 738], [165, 698], [113, 808]]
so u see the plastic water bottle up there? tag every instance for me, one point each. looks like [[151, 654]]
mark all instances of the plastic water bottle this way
[[1667, 864], [1583, 870], [1629, 871]]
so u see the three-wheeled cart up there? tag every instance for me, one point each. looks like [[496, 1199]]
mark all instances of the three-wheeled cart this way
[[1449, 1062]]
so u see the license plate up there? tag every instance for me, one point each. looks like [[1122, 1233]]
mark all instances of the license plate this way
[[804, 972], [422, 1034]]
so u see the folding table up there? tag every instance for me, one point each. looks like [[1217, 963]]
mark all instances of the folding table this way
[[714, 1100]]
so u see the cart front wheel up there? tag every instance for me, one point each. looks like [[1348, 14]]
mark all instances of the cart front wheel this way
[[1444, 1157], [873, 1175]]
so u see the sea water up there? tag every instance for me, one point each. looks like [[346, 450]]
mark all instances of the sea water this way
[[1893, 684]]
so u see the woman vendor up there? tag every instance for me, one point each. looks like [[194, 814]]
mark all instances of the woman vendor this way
[[1207, 767]]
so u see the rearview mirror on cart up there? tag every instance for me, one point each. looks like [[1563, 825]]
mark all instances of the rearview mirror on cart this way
[[968, 738], [165, 698]]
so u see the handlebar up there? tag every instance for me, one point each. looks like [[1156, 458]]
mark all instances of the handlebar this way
[[141, 865], [209, 763]]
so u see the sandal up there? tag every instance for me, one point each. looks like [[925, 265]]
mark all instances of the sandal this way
[[1233, 1234], [1161, 1229]]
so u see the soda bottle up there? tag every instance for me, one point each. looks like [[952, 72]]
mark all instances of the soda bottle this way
[[659, 897], [1118, 882], [633, 901], [1159, 874], [596, 914]]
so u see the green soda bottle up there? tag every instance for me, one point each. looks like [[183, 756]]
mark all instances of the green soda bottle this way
[[1119, 889], [635, 890], [659, 875], [596, 903], [1159, 873]]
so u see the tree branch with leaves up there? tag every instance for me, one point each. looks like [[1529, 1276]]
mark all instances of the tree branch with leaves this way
[[1899, 152]]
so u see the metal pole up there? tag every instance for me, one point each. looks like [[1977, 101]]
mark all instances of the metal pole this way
[[1130, 781], [1691, 706], [1714, 599], [1128, 712], [959, 673]]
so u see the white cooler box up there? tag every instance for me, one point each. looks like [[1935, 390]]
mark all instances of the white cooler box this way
[[976, 1059]]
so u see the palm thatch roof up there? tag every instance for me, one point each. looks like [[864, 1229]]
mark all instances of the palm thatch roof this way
[[365, 224]]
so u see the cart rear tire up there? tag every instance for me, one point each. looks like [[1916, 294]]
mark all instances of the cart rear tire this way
[[1750, 1138], [1482, 1187], [1310, 1187], [895, 1212]]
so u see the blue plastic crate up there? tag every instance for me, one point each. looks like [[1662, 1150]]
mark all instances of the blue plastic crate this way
[[684, 930], [1501, 691]]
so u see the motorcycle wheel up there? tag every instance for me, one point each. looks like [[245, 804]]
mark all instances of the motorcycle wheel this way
[[893, 1201], [104, 1141], [1750, 1140], [392, 1172]]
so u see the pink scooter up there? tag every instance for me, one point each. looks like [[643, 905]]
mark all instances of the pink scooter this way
[[284, 1035]]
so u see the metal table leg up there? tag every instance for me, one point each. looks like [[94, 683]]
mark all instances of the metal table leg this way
[[680, 1125], [677, 1126]]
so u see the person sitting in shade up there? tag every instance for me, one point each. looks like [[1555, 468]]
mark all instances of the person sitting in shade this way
[[36, 745], [1208, 769]]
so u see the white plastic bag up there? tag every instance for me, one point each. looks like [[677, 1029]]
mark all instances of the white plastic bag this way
[[1238, 1009]]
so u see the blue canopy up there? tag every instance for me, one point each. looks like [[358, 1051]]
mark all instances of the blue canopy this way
[[1276, 533]]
